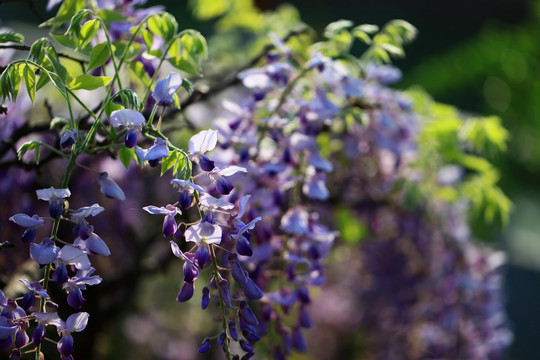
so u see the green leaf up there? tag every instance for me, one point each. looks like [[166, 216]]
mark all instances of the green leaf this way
[[169, 162], [99, 56], [110, 107], [188, 85], [58, 83], [65, 12], [24, 148], [11, 37], [36, 154], [129, 99], [58, 122], [29, 79], [75, 23], [88, 31], [37, 50], [89, 82], [138, 68], [56, 64], [126, 154], [65, 40], [336, 27], [164, 26], [182, 64], [110, 15], [351, 229], [367, 28]]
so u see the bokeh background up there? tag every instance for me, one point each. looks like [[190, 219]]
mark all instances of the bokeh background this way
[[481, 56]]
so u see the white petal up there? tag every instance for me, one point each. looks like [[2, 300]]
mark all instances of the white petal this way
[[204, 141]]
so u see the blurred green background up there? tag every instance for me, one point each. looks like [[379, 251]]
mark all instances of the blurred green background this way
[[481, 56]]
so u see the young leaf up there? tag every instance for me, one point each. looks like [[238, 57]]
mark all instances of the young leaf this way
[[182, 64], [188, 85], [168, 162], [88, 82], [75, 24], [37, 50], [11, 37], [58, 83], [99, 56], [24, 148], [36, 154], [30, 82], [88, 31], [126, 154]]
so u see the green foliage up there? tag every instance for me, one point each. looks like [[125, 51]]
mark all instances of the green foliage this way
[[179, 163], [126, 154], [163, 25], [89, 82], [99, 56], [448, 137], [11, 37], [351, 229], [27, 146]]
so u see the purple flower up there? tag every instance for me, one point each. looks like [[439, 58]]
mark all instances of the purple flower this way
[[205, 297], [185, 293], [187, 189], [222, 185], [205, 346], [31, 224], [200, 143], [35, 289], [68, 138], [209, 203], [73, 255], [295, 221], [76, 284], [169, 224], [158, 151], [55, 198], [93, 245], [74, 323], [204, 233], [45, 252], [130, 119], [109, 188], [79, 217], [165, 89]]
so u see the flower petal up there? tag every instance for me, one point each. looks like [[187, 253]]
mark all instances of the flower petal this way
[[204, 141]]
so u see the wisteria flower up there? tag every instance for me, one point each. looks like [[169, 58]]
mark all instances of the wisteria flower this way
[[210, 203], [187, 189], [74, 323], [158, 151], [295, 221], [130, 119], [45, 252], [30, 223], [199, 144], [204, 233], [109, 188], [68, 138], [69, 255], [165, 89], [217, 176], [77, 283], [79, 217], [169, 224], [55, 197], [29, 297], [93, 244]]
